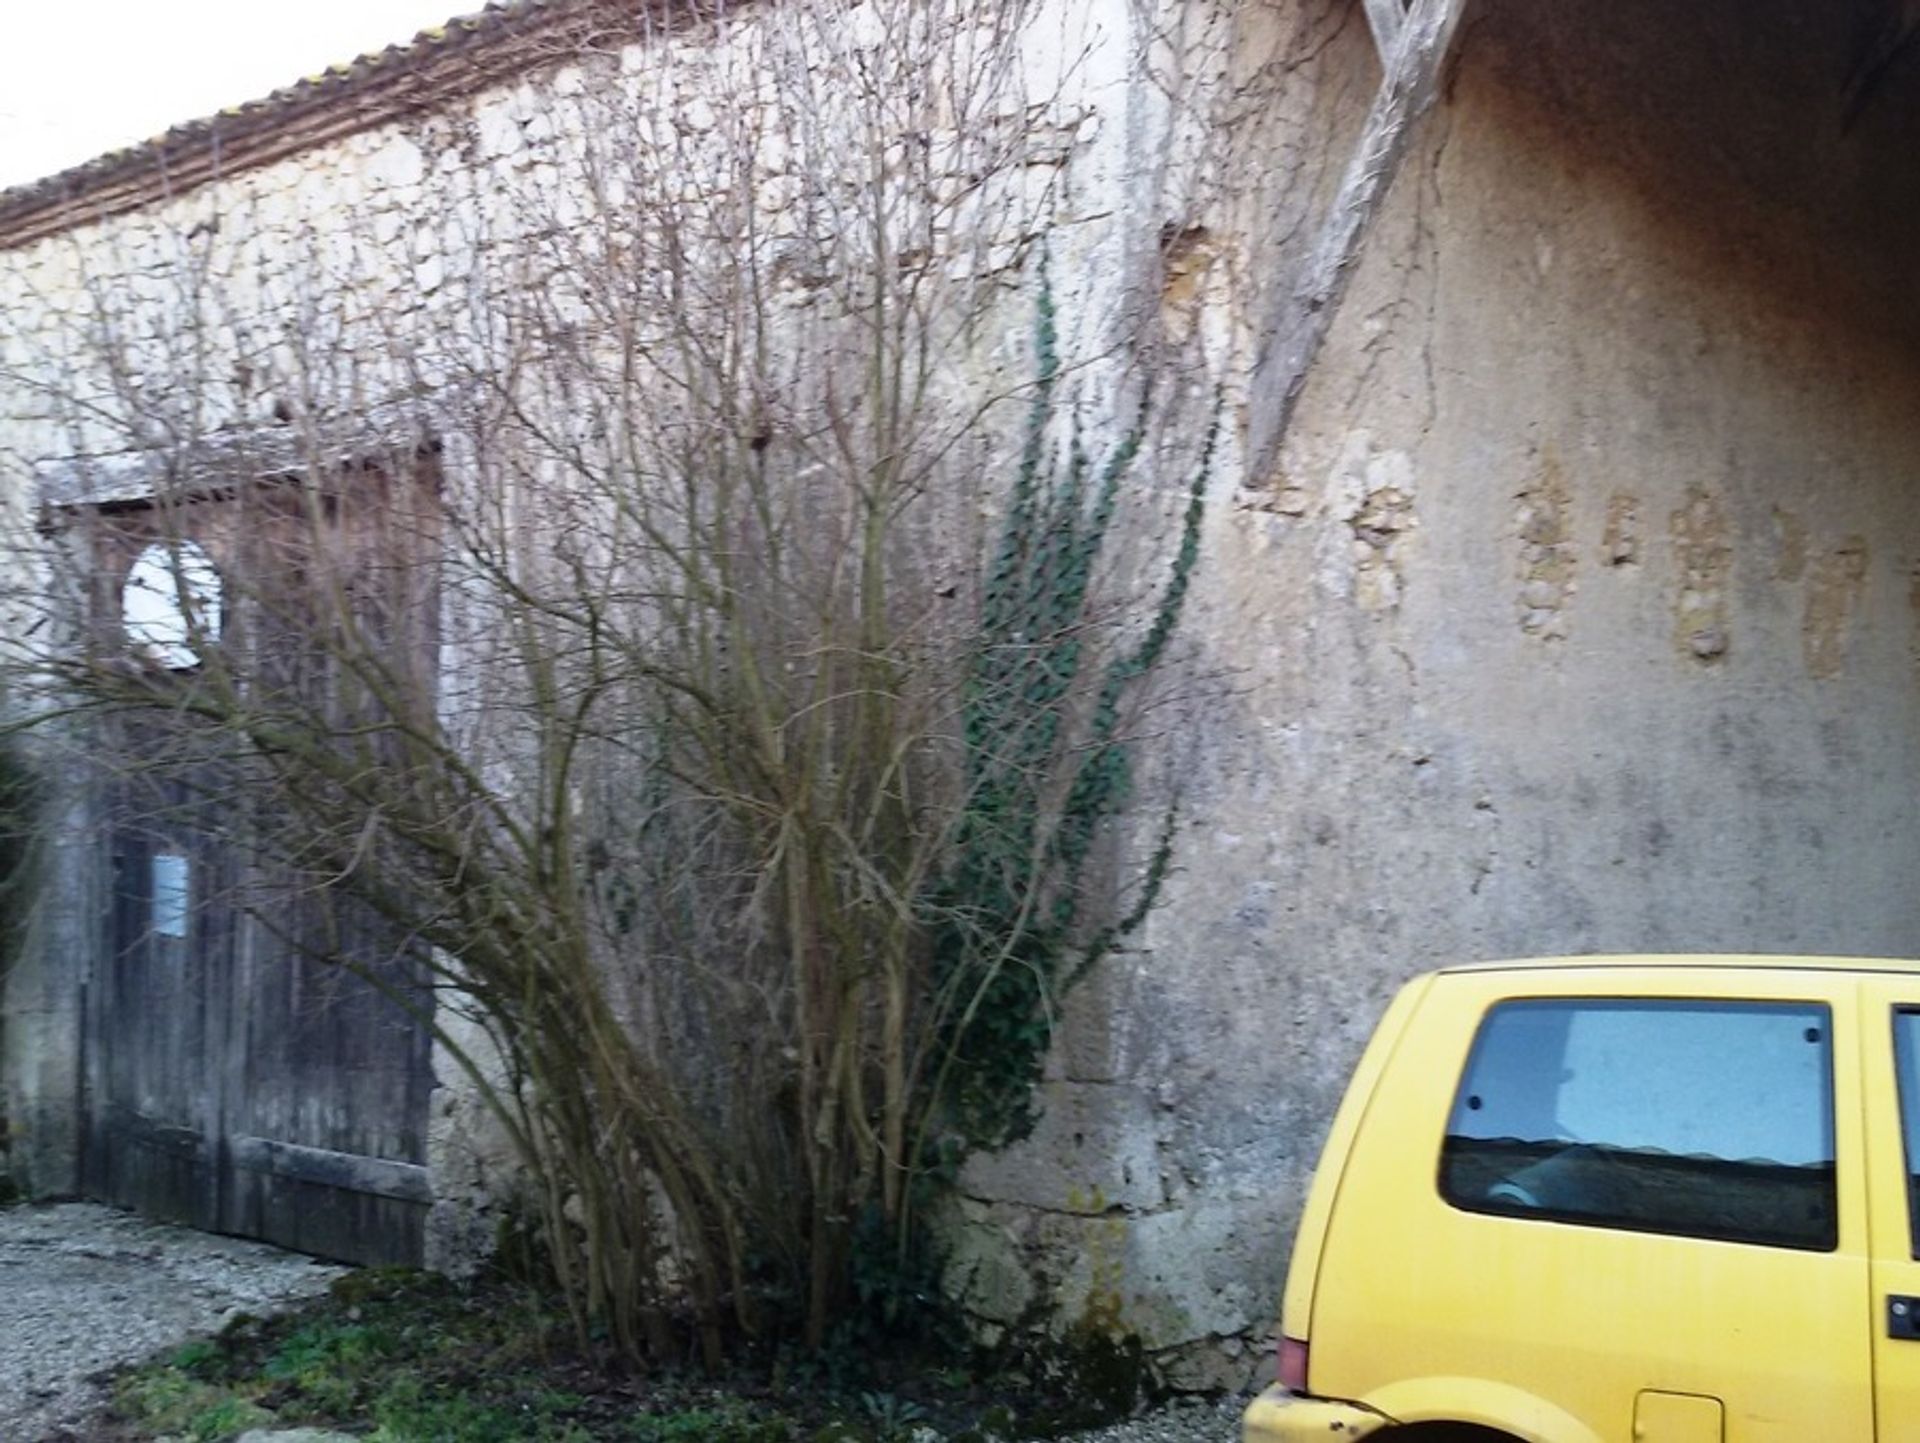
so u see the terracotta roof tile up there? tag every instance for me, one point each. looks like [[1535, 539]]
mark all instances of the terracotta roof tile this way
[[438, 64]]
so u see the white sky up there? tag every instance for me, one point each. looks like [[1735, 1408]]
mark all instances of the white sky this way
[[82, 77]]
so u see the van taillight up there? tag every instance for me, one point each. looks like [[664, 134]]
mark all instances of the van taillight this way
[[1293, 1364]]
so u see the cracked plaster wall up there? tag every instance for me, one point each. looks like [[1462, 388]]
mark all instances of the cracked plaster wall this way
[[1581, 618], [1583, 615]]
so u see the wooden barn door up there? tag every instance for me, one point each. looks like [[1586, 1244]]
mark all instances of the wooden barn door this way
[[325, 1118], [258, 1063], [159, 1010]]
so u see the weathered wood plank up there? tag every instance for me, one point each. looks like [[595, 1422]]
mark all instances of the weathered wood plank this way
[[1384, 18], [165, 1170], [381, 1177], [329, 1222], [1301, 315], [1887, 36], [184, 1143]]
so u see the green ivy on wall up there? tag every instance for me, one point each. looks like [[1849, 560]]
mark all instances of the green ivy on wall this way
[[1046, 759]]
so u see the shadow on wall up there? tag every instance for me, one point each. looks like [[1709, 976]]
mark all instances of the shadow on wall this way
[[1735, 127], [16, 808]]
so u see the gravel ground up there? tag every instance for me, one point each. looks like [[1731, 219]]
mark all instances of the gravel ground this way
[[84, 1287], [1214, 1420]]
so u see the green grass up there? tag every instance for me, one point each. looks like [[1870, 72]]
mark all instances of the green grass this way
[[405, 1357], [175, 1405], [410, 1412], [397, 1357], [401, 1357]]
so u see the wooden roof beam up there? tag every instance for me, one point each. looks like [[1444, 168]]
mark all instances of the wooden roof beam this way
[[1299, 318], [1384, 18]]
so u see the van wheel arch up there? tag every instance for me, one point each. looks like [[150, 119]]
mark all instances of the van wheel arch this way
[[1444, 1433]]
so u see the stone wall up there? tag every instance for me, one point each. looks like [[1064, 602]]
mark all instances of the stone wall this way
[[1582, 615], [335, 303], [1580, 619]]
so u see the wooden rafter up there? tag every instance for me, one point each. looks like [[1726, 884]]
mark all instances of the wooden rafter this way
[[1884, 47], [1300, 318], [1384, 18]]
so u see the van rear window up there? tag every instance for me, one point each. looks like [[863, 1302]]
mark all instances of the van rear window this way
[[1906, 1051], [1709, 1119]]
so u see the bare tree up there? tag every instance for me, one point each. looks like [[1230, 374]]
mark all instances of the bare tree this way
[[703, 633]]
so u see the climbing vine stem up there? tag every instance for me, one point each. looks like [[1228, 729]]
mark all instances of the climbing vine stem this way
[[1047, 759]]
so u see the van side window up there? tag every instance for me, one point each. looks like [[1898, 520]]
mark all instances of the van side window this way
[[1906, 1051], [1710, 1119]]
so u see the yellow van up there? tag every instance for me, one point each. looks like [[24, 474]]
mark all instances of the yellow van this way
[[1602, 1199]]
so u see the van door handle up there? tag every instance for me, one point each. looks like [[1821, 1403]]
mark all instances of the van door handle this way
[[1903, 1316]]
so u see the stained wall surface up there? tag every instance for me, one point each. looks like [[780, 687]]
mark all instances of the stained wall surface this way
[[1580, 618], [1583, 613]]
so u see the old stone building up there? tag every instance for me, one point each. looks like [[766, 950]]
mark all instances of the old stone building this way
[[1578, 611]]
